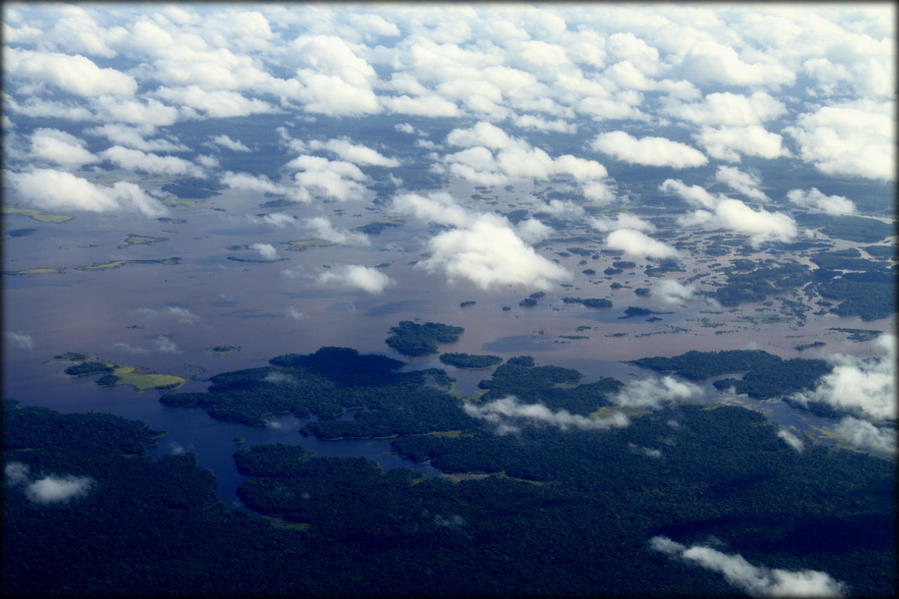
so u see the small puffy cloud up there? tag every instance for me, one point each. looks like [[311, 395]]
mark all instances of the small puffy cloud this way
[[646, 451], [489, 253], [217, 103], [760, 225], [128, 348], [355, 153], [165, 345], [864, 434], [266, 250], [648, 151], [729, 143], [755, 580], [137, 160], [711, 62], [529, 121], [295, 314], [636, 243], [366, 278], [866, 387], [745, 183], [481, 134], [791, 439], [59, 147], [58, 190], [438, 207], [230, 144], [508, 414], [854, 140], [819, 202], [182, 315], [73, 74], [55, 489], [653, 393], [427, 105], [621, 221], [669, 291], [330, 178], [134, 137], [694, 194], [19, 339], [323, 229], [249, 182], [727, 109], [136, 112], [404, 128], [16, 473], [533, 231]]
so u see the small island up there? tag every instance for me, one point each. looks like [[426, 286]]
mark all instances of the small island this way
[[473, 361], [590, 302], [115, 374], [411, 339]]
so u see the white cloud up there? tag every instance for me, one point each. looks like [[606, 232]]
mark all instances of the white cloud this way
[[137, 112], [40, 108], [819, 202], [438, 207], [252, 183], [489, 253], [230, 144], [19, 339], [621, 221], [755, 580], [54, 489], [532, 230], [636, 243], [507, 414], [728, 143], [760, 225], [648, 151], [427, 105], [182, 315], [653, 393], [16, 473], [331, 178], [694, 194], [133, 137], [791, 439], [355, 153], [866, 387], [213, 103], [165, 345], [727, 109], [529, 121], [671, 292], [266, 250], [711, 62], [323, 229], [58, 190], [745, 183], [137, 160], [854, 139], [366, 278], [73, 74], [62, 148], [864, 434]]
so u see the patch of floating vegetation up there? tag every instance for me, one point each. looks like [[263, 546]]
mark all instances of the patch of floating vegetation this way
[[304, 244], [858, 334], [120, 263], [224, 349], [43, 270], [115, 374], [377, 227], [133, 239], [73, 246], [38, 215]]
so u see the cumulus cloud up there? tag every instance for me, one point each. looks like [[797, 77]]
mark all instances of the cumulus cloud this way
[[323, 229], [726, 109], [73, 74], [711, 62], [135, 137], [266, 250], [355, 153], [58, 190], [729, 143], [529, 121], [646, 451], [636, 243], [182, 315], [217, 103], [19, 339], [165, 345], [864, 434], [366, 278], [865, 386], [230, 144], [329, 178], [669, 291], [621, 221], [533, 231], [820, 202], [508, 414], [745, 183], [334, 80], [259, 183], [60, 147], [653, 393], [55, 489], [438, 207], [489, 253], [648, 151], [852, 139], [791, 439], [694, 194], [755, 580], [16, 473], [137, 160]]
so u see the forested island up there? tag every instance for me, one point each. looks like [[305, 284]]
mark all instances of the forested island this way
[[412, 339]]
